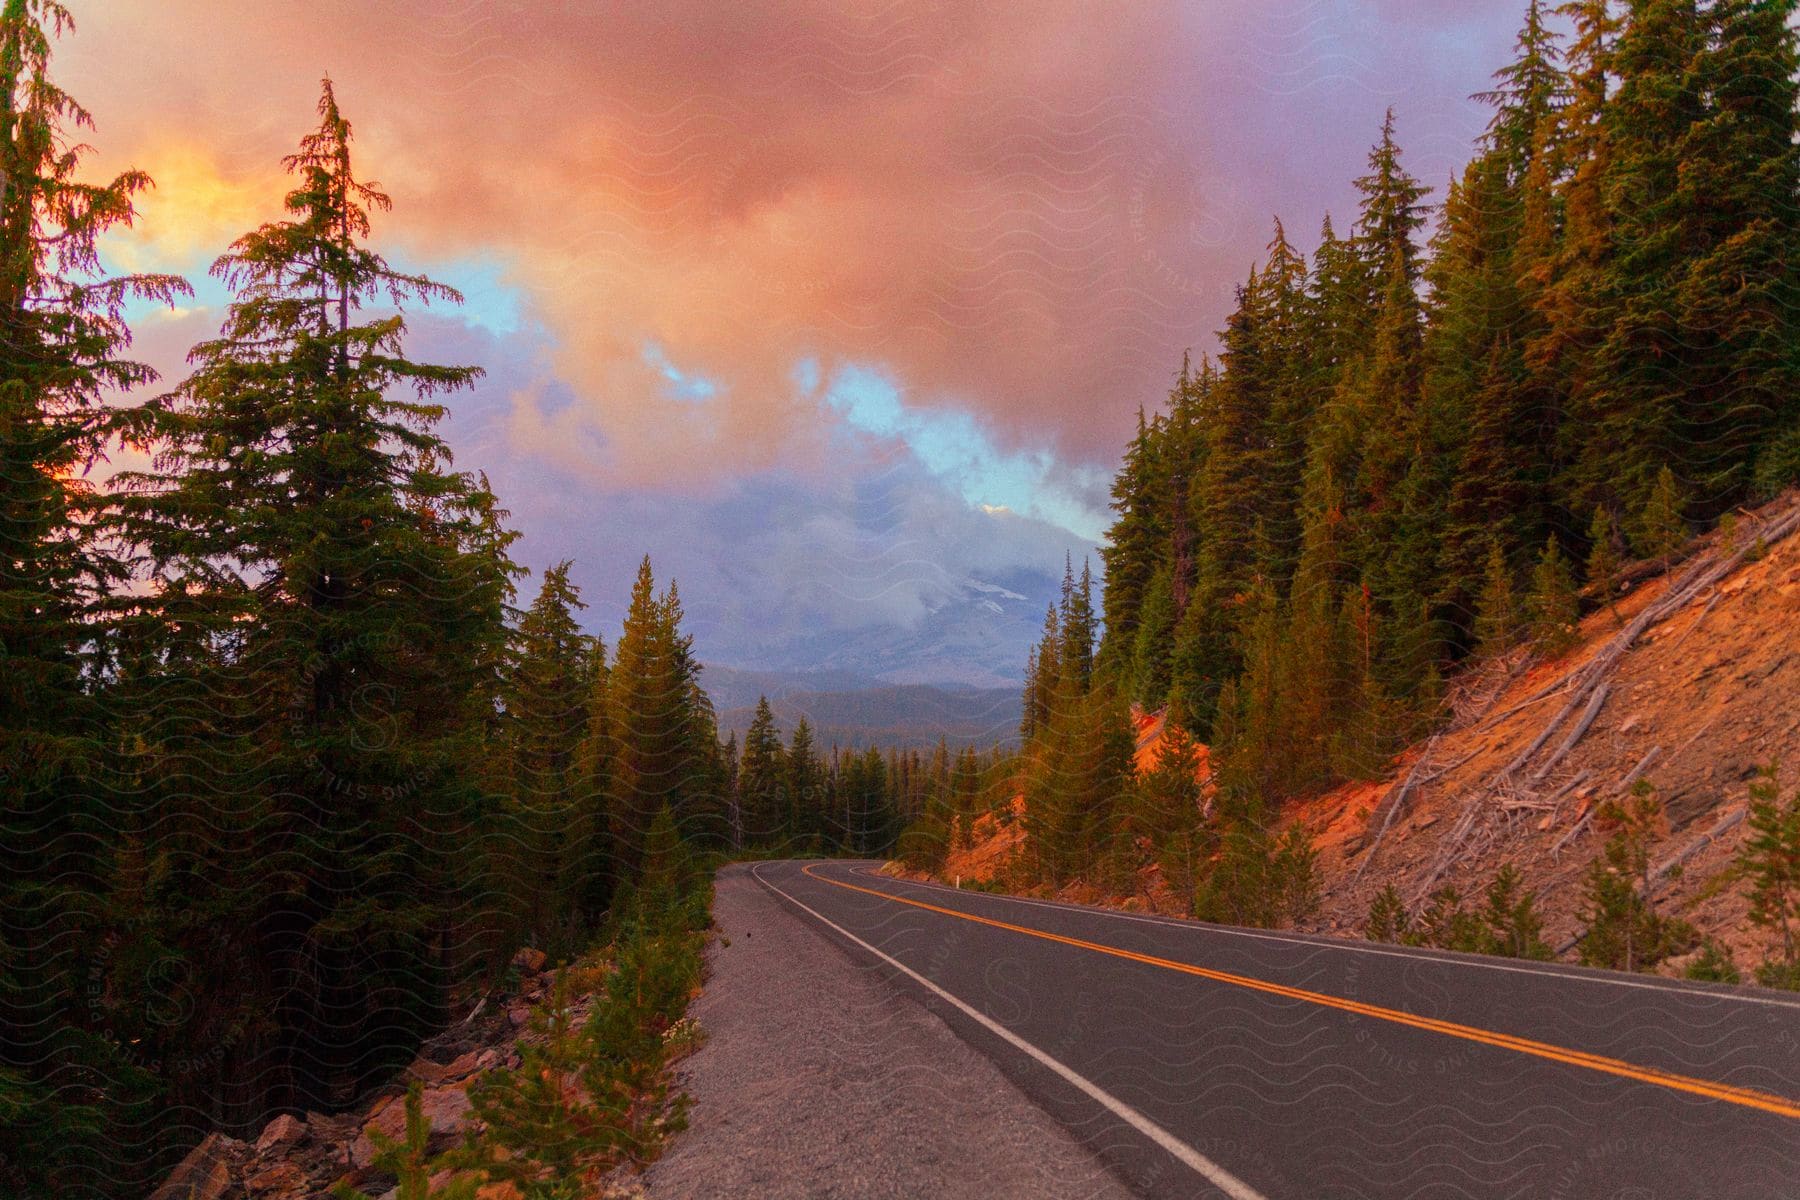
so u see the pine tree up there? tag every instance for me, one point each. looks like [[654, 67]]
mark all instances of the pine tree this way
[[1770, 860], [1169, 814], [1497, 617], [1569, 283], [805, 785], [1739, 285], [763, 779], [1604, 557], [657, 757], [1076, 621], [1042, 679], [1553, 605], [1631, 415], [74, 1117], [1624, 930], [319, 638], [1661, 530], [1153, 654], [546, 698], [1389, 920], [1514, 928]]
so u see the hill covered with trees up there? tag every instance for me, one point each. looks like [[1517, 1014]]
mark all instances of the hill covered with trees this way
[[1426, 443]]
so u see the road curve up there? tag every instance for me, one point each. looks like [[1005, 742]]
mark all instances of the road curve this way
[[1202, 1060]]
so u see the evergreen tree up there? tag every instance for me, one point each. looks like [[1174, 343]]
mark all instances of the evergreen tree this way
[[1624, 930], [1169, 813], [1497, 618], [660, 752], [552, 822], [63, 342], [1738, 283], [763, 779], [1770, 860], [1514, 929], [1389, 920], [1631, 413], [1074, 788], [319, 642], [806, 790], [1076, 621], [1661, 530], [1042, 679], [1604, 557], [1553, 605]]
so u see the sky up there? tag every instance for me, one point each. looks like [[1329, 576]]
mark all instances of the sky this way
[[838, 310]]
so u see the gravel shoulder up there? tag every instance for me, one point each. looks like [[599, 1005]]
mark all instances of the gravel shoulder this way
[[819, 1079]]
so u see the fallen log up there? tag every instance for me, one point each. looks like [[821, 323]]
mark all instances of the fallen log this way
[[1398, 802], [1724, 826], [1576, 734]]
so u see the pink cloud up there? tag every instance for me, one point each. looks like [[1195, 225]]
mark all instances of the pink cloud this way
[[1027, 211]]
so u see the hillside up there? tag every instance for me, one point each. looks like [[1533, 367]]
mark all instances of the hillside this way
[[1689, 684]]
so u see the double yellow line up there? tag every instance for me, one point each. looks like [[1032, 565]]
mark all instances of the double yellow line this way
[[1746, 1097]]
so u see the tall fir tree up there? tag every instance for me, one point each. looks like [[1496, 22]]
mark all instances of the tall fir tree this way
[[63, 347], [318, 639]]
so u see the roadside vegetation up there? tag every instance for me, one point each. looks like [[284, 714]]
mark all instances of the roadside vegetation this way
[[591, 1093]]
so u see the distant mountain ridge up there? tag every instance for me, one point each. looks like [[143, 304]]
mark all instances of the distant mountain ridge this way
[[907, 716], [976, 634]]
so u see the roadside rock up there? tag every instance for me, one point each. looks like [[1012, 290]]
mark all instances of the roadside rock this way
[[283, 1131], [446, 1109], [206, 1173]]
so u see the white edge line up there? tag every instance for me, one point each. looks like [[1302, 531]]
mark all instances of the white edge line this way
[[1218, 1176], [1346, 946]]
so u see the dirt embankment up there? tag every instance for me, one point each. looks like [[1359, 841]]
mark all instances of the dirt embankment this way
[[1691, 682]]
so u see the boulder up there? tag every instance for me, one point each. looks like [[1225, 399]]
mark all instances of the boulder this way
[[281, 1179], [205, 1174], [446, 1111], [464, 1066], [280, 1133], [530, 961]]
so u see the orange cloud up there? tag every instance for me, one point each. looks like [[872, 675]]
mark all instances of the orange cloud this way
[[1027, 211]]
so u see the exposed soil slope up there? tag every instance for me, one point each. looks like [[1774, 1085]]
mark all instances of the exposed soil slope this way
[[1692, 681], [1694, 704]]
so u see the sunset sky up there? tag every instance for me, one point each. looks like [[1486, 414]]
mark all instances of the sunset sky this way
[[832, 308]]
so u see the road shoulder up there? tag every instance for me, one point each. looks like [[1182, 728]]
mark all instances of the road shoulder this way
[[820, 1079]]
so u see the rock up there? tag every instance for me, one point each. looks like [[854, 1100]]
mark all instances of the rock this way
[[464, 1066], [445, 1109], [284, 1130], [205, 1174], [529, 960], [282, 1177], [426, 1071], [518, 1013]]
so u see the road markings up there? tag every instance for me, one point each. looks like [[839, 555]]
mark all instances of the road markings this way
[[1209, 1170], [1343, 946], [1746, 1097]]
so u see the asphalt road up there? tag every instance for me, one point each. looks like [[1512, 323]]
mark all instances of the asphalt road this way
[[1201, 1060]]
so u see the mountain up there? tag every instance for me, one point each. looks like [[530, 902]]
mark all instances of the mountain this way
[[976, 633], [909, 716]]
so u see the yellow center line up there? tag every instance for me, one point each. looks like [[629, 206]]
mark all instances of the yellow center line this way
[[1746, 1097]]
